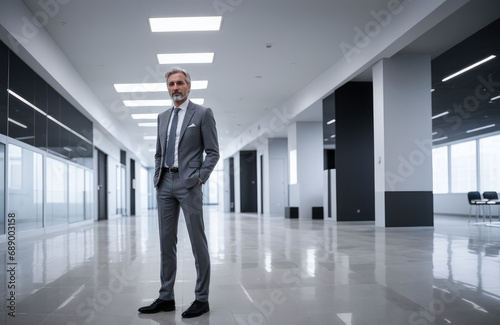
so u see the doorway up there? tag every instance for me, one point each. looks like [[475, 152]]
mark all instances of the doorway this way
[[102, 185]]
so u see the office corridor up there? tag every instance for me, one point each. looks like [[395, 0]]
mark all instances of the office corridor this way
[[265, 270]]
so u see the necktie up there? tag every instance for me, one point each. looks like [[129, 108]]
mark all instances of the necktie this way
[[171, 139]]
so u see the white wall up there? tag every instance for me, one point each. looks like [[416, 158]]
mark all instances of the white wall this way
[[455, 204], [142, 183], [237, 192], [226, 186]]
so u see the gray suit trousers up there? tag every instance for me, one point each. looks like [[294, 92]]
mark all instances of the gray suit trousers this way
[[172, 196]]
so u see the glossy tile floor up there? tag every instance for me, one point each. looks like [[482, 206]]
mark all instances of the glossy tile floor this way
[[265, 270]]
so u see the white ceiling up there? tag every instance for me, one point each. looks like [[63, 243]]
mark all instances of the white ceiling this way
[[109, 41]]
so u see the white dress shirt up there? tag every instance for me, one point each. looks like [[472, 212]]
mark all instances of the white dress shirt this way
[[180, 119]]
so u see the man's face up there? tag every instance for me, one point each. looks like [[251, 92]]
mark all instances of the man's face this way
[[178, 88]]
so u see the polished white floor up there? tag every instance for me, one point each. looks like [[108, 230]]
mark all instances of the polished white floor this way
[[265, 270]]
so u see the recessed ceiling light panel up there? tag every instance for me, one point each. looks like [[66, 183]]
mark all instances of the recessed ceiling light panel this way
[[155, 87], [183, 58], [153, 102], [147, 116], [185, 24], [146, 124], [157, 102]]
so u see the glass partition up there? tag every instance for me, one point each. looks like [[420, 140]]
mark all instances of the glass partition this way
[[25, 183], [57, 189], [89, 195], [76, 194]]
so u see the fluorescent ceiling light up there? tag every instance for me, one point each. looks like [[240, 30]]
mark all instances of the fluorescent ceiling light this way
[[155, 87], [469, 67], [183, 58], [149, 137], [67, 149], [441, 114], [152, 124], [198, 101], [332, 136], [439, 139], [151, 116], [140, 88], [434, 133], [157, 102], [495, 98], [17, 123], [330, 122], [199, 84], [26, 102], [185, 24], [480, 128], [152, 102]]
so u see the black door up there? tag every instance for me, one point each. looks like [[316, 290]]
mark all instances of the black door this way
[[248, 181], [231, 184], [132, 187], [102, 185], [261, 183]]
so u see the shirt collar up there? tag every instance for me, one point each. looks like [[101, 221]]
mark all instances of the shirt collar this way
[[184, 105]]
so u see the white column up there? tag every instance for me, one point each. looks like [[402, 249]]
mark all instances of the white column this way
[[306, 140], [403, 141]]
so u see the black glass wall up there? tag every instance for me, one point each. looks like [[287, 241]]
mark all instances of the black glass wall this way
[[2, 189], [33, 112], [49, 179], [4, 64]]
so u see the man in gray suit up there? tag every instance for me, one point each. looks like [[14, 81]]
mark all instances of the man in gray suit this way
[[185, 131]]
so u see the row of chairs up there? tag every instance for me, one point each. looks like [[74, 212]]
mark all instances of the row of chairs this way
[[488, 199]]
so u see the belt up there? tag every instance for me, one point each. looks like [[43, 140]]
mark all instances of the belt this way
[[171, 170]]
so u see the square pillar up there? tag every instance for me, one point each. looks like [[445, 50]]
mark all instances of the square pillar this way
[[403, 141], [305, 150]]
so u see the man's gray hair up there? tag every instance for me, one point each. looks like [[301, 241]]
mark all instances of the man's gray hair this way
[[176, 70]]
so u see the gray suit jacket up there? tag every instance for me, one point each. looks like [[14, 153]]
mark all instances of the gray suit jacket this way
[[198, 135]]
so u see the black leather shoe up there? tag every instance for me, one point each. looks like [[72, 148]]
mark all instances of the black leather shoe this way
[[196, 309], [157, 306]]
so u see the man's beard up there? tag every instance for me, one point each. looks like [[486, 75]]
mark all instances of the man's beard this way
[[178, 97]]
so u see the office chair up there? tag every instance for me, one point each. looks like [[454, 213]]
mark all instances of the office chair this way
[[476, 200], [492, 198]]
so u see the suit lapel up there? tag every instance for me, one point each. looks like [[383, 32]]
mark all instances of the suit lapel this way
[[187, 118]]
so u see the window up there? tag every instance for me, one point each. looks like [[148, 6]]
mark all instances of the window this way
[[489, 158], [463, 167], [440, 170]]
